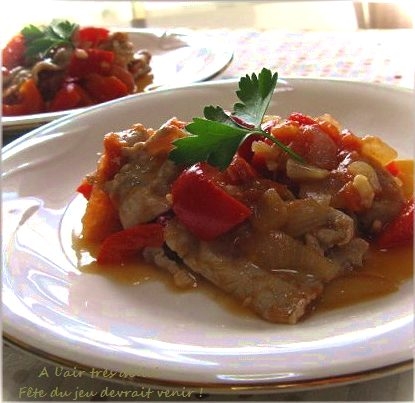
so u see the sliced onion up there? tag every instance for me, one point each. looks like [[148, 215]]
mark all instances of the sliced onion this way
[[363, 168], [304, 216], [365, 190], [300, 171], [270, 213]]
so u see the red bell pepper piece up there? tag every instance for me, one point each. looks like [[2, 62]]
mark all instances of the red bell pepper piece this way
[[203, 206], [29, 100], [13, 52], [69, 96], [399, 231], [239, 171], [91, 36], [122, 245], [92, 61], [104, 88]]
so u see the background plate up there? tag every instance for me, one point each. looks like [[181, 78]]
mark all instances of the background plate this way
[[158, 335], [178, 58]]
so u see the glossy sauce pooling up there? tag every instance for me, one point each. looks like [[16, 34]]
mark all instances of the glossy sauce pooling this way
[[383, 271]]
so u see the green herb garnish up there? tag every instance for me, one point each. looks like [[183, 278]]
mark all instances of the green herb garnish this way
[[40, 41], [216, 137]]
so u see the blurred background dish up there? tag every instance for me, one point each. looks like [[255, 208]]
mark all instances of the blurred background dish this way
[[178, 58]]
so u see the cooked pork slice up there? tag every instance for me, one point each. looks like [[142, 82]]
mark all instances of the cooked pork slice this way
[[339, 229], [280, 296], [137, 134], [182, 278], [351, 254], [140, 187]]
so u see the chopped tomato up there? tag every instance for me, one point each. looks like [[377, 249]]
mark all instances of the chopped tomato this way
[[105, 88], [319, 148], [69, 96], [13, 52], [86, 61], [85, 188], [29, 100], [203, 206], [239, 171], [255, 159], [122, 245], [269, 124], [124, 75], [399, 231], [91, 36], [245, 149], [309, 141], [350, 141], [393, 168], [302, 119], [330, 129], [286, 131]]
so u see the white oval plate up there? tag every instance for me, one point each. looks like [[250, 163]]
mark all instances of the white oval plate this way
[[178, 58], [160, 336]]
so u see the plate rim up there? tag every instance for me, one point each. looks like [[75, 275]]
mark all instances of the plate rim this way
[[224, 388], [249, 387]]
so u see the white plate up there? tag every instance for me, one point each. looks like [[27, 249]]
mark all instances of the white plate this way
[[160, 336], [179, 58]]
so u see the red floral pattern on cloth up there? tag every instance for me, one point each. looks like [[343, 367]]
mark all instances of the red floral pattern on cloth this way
[[377, 56]]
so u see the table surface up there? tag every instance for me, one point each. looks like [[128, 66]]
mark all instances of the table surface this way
[[377, 56]]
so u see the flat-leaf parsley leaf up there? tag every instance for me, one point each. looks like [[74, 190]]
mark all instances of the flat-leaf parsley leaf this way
[[216, 137], [40, 41]]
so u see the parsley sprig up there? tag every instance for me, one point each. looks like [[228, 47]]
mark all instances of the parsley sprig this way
[[40, 41], [216, 137]]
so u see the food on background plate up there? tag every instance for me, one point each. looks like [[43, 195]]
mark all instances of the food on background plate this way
[[268, 209], [64, 66]]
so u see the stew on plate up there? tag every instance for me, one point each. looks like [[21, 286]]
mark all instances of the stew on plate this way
[[269, 209]]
